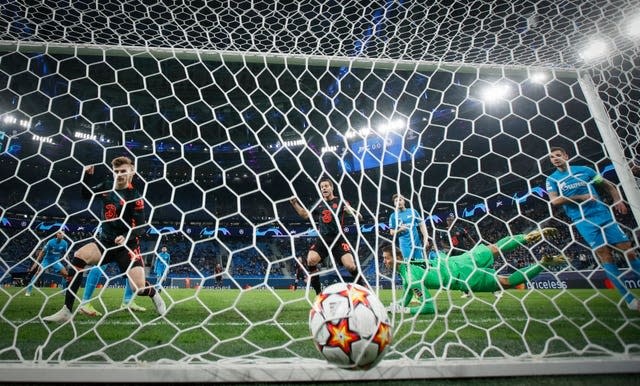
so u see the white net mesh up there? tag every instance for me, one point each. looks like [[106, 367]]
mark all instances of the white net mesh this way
[[390, 98]]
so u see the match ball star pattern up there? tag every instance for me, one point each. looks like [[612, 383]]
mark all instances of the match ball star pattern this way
[[350, 326]]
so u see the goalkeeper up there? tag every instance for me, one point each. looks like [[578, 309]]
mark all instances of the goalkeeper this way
[[472, 270]]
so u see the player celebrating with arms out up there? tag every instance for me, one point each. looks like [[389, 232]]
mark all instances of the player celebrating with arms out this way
[[122, 221], [468, 271], [572, 187], [327, 212], [53, 252]]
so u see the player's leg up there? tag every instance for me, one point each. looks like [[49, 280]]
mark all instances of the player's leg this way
[[128, 301], [32, 278], [131, 263], [616, 237], [595, 236], [348, 262], [529, 272], [93, 278], [317, 253], [160, 272], [88, 254]]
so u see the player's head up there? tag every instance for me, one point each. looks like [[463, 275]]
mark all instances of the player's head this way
[[388, 258], [164, 249], [326, 188], [398, 201], [59, 235], [123, 171], [558, 157], [450, 219]]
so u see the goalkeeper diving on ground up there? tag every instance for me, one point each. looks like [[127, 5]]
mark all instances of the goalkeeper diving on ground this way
[[472, 270]]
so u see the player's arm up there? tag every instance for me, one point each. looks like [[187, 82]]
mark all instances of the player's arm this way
[[426, 305], [618, 204], [425, 234], [393, 226], [297, 206], [351, 211], [89, 186], [556, 199], [38, 258]]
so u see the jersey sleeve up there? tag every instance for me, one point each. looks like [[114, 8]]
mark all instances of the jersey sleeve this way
[[92, 185], [594, 176], [414, 285], [552, 185], [392, 221], [47, 247]]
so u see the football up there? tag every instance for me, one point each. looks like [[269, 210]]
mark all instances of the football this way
[[350, 326]]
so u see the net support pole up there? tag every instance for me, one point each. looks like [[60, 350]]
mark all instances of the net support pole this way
[[611, 143]]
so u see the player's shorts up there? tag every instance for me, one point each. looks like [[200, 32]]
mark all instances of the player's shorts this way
[[52, 264], [473, 270], [122, 256], [599, 235], [160, 271], [339, 248], [412, 253]]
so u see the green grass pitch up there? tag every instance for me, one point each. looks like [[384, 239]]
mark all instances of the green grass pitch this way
[[207, 325]]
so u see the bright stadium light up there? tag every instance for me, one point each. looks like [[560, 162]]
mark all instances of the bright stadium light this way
[[596, 49], [364, 132], [42, 139], [383, 128], [495, 92], [632, 28], [539, 77], [327, 149], [350, 134]]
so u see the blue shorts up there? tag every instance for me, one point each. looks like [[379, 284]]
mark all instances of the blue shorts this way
[[54, 264], [599, 235], [414, 253]]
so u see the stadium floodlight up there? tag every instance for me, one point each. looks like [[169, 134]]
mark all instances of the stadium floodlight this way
[[350, 134], [364, 132], [632, 28], [596, 49], [495, 92], [539, 77], [39, 138], [327, 149], [383, 128]]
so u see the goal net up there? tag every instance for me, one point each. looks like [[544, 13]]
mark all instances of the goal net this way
[[231, 110]]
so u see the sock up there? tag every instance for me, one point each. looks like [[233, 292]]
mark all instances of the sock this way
[[635, 265], [93, 278], [358, 279], [613, 273], [521, 275], [32, 278], [75, 278], [314, 280], [128, 292], [510, 243], [148, 291]]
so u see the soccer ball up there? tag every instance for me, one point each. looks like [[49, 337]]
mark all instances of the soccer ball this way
[[350, 326]]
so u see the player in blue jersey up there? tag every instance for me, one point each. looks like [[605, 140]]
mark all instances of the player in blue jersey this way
[[51, 255], [161, 266], [403, 225], [573, 188]]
